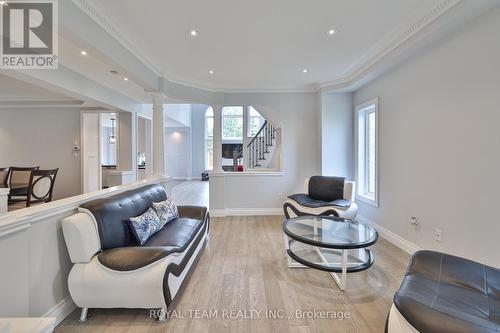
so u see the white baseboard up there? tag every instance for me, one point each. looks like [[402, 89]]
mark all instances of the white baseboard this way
[[186, 178], [245, 212], [61, 310], [396, 240]]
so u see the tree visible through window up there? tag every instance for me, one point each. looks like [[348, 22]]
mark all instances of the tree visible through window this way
[[209, 138], [232, 123]]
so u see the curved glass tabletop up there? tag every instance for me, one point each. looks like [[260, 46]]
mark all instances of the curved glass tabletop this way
[[330, 232]]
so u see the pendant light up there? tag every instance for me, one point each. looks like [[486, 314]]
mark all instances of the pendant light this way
[[112, 137]]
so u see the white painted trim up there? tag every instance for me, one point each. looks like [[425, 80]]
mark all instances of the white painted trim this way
[[40, 103], [186, 178], [61, 310], [390, 43], [246, 212], [396, 240], [19, 220], [355, 72], [89, 8], [361, 110], [247, 174]]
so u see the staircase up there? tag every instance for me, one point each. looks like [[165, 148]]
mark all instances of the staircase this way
[[262, 146]]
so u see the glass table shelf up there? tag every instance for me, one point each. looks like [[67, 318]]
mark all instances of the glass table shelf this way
[[329, 244]]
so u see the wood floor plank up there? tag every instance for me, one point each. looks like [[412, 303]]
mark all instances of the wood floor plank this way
[[243, 268]]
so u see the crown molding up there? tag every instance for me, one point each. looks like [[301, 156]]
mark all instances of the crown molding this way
[[388, 44], [39, 103], [354, 73], [90, 8], [223, 89]]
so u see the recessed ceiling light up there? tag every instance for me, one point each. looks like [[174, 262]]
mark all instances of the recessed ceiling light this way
[[193, 33], [125, 79], [211, 71], [304, 70], [3, 3], [83, 52], [332, 32]]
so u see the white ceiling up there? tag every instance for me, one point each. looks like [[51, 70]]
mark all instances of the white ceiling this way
[[262, 44]]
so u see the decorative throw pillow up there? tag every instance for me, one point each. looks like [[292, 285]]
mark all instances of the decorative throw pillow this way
[[166, 210], [145, 225]]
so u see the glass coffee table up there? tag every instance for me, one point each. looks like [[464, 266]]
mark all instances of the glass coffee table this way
[[335, 245]]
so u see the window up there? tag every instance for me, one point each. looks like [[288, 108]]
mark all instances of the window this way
[[367, 152], [255, 121], [232, 123], [209, 138]]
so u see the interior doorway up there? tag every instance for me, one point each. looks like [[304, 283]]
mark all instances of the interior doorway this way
[[144, 147]]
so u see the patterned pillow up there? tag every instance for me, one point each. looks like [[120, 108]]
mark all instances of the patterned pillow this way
[[145, 225], [166, 210]]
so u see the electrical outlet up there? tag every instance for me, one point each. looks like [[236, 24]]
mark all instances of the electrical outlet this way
[[438, 235], [414, 220]]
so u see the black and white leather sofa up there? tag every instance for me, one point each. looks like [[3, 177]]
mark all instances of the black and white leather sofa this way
[[112, 271], [326, 196], [441, 293]]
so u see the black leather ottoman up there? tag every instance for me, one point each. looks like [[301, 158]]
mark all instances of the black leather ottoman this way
[[445, 294]]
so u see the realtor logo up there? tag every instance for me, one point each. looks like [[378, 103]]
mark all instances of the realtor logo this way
[[29, 34]]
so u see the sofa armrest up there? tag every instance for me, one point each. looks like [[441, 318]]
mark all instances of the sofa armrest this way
[[350, 191], [126, 259], [193, 212], [81, 237]]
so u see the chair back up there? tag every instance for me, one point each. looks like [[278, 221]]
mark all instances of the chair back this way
[[334, 188], [4, 174], [20, 175], [40, 186], [326, 188]]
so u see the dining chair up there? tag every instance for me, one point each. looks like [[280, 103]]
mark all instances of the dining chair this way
[[18, 180], [40, 186], [4, 175]]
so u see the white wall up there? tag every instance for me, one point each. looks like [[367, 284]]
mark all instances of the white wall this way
[[337, 134], [298, 115], [178, 151], [439, 144], [43, 137], [177, 115]]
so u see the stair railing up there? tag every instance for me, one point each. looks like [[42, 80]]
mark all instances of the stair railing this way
[[259, 145]]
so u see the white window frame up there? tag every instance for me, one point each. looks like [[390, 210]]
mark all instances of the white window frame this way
[[206, 138], [361, 136]]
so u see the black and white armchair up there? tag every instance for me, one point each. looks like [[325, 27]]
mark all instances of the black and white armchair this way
[[324, 196]]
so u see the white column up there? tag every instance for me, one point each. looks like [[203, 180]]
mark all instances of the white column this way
[[4, 198], [217, 138], [158, 135], [245, 137]]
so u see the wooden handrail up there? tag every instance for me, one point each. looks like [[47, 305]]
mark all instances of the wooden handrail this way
[[257, 135]]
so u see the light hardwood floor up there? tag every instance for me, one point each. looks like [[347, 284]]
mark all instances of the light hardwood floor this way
[[243, 267], [192, 192]]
